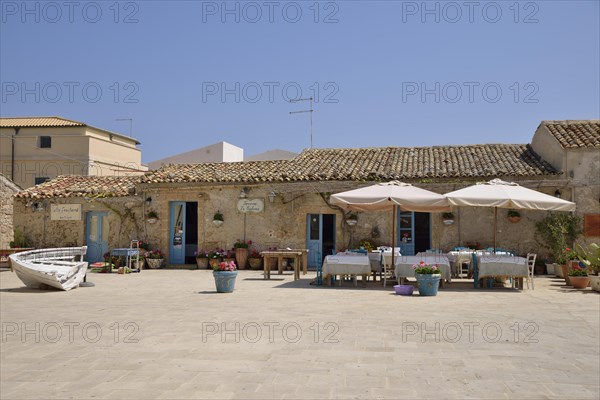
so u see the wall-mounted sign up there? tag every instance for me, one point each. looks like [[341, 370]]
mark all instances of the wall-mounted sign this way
[[250, 205], [65, 212]]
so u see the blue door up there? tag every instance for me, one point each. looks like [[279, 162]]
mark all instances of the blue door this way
[[320, 237], [177, 232], [96, 235], [414, 232], [314, 237]]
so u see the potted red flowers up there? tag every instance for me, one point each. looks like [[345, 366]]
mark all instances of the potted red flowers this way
[[225, 274]]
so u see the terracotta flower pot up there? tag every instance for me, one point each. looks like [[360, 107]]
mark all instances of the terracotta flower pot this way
[[514, 220], [579, 282], [241, 256], [202, 263], [154, 263], [255, 263]]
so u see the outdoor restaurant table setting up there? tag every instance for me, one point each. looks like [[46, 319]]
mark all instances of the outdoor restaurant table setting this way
[[346, 264], [500, 265]]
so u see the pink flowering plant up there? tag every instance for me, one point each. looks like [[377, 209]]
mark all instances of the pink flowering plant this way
[[154, 254], [225, 266], [426, 269]]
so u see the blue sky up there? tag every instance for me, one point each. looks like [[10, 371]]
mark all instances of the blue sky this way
[[386, 73]]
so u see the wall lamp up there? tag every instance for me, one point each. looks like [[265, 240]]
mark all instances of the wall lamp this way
[[148, 201], [557, 193], [272, 196]]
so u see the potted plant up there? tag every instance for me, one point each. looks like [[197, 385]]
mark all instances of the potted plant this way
[[352, 219], [229, 255], [557, 230], [254, 259], [225, 274], [215, 257], [448, 218], [138, 263], [590, 257], [202, 259], [241, 252], [513, 216], [151, 217], [154, 258], [579, 277], [218, 219], [428, 278], [367, 244], [564, 260]]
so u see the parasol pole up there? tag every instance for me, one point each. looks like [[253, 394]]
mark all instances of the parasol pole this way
[[495, 226], [393, 234]]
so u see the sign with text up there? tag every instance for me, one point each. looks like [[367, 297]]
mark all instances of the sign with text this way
[[250, 205], [65, 212]]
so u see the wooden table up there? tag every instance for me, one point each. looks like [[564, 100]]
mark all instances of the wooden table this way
[[279, 255], [304, 259]]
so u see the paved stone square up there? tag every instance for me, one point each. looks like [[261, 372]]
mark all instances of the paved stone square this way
[[166, 334]]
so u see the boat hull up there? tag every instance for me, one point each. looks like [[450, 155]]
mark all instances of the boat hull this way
[[57, 268]]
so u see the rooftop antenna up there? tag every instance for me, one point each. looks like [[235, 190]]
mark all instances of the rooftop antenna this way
[[310, 110], [130, 123]]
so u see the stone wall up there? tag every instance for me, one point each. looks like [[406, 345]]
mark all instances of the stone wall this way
[[124, 216], [7, 190], [283, 222]]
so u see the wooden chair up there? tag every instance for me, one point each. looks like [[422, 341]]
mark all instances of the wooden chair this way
[[530, 267], [387, 269]]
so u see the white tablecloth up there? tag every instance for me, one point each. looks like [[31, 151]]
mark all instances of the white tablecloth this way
[[404, 264], [346, 265], [375, 260], [490, 265]]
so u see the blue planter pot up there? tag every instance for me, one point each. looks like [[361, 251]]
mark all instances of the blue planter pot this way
[[225, 281], [428, 284]]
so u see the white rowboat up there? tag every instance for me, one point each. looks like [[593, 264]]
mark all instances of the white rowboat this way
[[62, 268]]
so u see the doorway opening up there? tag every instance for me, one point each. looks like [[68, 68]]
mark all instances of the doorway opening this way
[[183, 232]]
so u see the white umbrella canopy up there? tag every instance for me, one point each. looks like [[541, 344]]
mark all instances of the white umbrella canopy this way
[[500, 194], [385, 196], [388, 195]]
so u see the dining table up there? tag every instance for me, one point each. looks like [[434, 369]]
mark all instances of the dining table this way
[[346, 264], [279, 256], [501, 266]]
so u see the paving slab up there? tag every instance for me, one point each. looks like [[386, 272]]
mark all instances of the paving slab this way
[[166, 334]]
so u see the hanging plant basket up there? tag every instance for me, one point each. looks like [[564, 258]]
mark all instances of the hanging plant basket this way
[[217, 222], [151, 220], [448, 221], [513, 216]]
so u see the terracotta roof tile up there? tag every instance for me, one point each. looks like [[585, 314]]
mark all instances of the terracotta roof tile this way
[[82, 186], [574, 134], [372, 164], [35, 122]]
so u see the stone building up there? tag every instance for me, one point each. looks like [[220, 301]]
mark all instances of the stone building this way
[[7, 189], [284, 203], [36, 149]]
